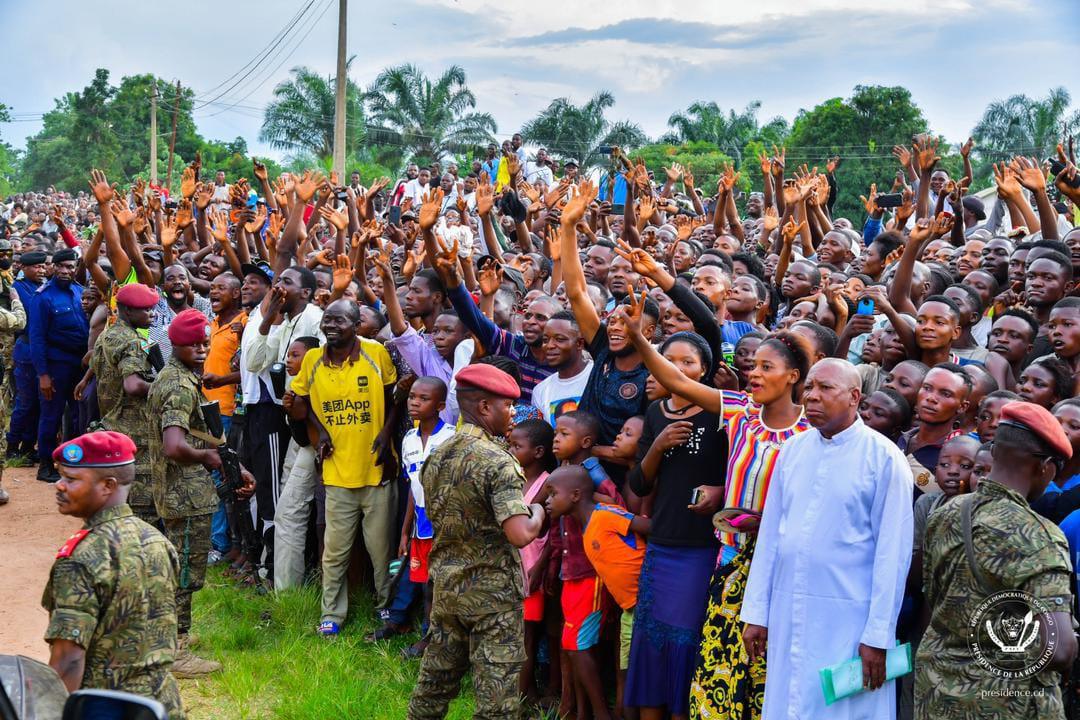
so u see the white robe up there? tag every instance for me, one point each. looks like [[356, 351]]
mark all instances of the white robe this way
[[829, 567]]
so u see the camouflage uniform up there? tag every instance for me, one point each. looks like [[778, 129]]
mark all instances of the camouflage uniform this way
[[183, 494], [112, 592], [120, 352], [472, 485], [1015, 549], [12, 320]]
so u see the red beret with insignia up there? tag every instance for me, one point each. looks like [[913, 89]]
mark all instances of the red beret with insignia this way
[[104, 448], [1038, 420], [189, 328], [488, 378], [137, 295]]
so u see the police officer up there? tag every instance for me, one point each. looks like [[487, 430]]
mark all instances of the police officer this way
[[124, 373], [59, 333], [22, 434], [980, 545], [112, 590], [474, 497], [12, 321], [181, 460]]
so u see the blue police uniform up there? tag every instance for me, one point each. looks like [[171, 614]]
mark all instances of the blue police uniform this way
[[24, 417], [59, 333]]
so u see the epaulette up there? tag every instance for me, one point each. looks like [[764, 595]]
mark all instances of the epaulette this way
[[72, 543]]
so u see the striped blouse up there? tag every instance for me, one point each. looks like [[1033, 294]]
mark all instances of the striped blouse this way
[[752, 450]]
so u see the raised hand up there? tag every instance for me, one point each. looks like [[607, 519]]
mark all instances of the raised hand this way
[[220, 226], [682, 226], [141, 223], [763, 160], [153, 201], [629, 314], [674, 172], [446, 258], [776, 166], [942, 224], [926, 154], [906, 208], [378, 185], [168, 232], [187, 182], [688, 180], [485, 196], [325, 257], [99, 185], [337, 218], [821, 191], [258, 170], [641, 177], [1007, 184], [307, 185], [791, 192], [965, 149], [769, 220], [138, 191], [530, 192], [204, 193], [343, 273], [644, 263], [490, 278], [922, 231], [902, 154], [513, 164], [832, 164], [791, 231], [462, 206], [646, 207], [429, 210], [255, 225], [576, 207], [122, 213], [871, 202], [183, 214], [1028, 173]]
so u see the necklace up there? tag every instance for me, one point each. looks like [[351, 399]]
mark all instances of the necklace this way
[[681, 411]]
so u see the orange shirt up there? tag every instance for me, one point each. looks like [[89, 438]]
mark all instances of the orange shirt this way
[[224, 342], [615, 552]]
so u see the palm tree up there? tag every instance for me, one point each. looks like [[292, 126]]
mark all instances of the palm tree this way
[[569, 130], [1021, 125], [427, 119], [300, 119], [705, 121]]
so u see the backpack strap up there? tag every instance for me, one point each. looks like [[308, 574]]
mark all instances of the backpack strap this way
[[966, 513]]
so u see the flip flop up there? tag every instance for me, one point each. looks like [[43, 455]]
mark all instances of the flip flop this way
[[329, 628]]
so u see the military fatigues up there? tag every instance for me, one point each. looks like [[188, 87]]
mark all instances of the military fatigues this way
[[183, 494], [1014, 549], [472, 485], [112, 592], [12, 320], [120, 352]]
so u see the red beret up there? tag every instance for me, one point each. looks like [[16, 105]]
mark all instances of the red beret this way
[[104, 448], [488, 378], [137, 295], [1038, 420], [188, 328]]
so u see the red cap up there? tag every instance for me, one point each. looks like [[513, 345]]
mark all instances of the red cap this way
[[188, 328], [137, 295], [104, 448], [488, 378], [1038, 420]]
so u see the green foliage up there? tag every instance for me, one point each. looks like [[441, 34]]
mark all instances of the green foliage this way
[[427, 118], [862, 130], [300, 119], [1020, 125], [730, 132], [9, 158], [578, 131], [702, 158]]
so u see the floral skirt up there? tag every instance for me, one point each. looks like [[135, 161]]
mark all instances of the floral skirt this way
[[726, 686]]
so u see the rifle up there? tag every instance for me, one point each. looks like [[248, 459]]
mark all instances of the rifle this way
[[157, 360], [231, 479]]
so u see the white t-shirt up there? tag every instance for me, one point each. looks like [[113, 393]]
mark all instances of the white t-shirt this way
[[416, 191], [413, 455], [554, 396]]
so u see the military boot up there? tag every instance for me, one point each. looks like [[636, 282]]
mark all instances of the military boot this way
[[4, 497], [188, 665]]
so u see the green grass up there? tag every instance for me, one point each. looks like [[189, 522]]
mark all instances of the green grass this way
[[276, 666]]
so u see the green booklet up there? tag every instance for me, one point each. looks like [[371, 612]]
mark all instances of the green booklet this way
[[846, 678]]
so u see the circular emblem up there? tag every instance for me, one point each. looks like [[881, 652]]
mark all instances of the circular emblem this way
[[73, 453], [1004, 634], [628, 391], [922, 479]]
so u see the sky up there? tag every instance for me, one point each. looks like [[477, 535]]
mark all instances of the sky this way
[[655, 56]]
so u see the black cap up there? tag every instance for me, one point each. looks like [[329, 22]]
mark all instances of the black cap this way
[[34, 257], [64, 255], [514, 275], [975, 206]]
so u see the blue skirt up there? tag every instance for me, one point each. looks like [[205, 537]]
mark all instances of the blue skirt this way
[[672, 596]]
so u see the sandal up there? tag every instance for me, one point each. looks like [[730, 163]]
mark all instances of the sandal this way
[[386, 632], [329, 629]]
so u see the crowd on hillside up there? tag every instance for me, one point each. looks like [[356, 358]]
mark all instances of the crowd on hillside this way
[[622, 445]]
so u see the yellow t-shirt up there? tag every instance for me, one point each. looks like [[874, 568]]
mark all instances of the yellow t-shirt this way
[[349, 401]]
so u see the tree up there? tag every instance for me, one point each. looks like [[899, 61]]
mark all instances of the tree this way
[[701, 158], [863, 130], [1021, 125], [9, 158], [300, 119], [428, 119], [705, 121], [573, 131]]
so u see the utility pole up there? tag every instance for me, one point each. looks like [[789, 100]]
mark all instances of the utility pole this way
[[153, 132], [339, 103], [172, 141]]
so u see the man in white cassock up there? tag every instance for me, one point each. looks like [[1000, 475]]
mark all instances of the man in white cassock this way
[[832, 556]]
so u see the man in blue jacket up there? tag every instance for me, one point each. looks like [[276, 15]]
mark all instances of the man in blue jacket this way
[[59, 333], [22, 433]]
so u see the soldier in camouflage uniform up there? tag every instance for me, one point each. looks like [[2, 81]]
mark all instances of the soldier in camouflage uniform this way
[[181, 460], [473, 488], [988, 542], [123, 373], [111, 593], [12, 320]]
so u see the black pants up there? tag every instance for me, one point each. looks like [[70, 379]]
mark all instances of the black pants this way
[[266, 438]]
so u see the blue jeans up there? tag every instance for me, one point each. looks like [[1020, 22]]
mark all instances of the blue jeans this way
[[24, 416], [219, 524], [407, 593], [65, 376]]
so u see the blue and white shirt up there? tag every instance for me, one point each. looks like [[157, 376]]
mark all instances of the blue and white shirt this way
[[413, 455]]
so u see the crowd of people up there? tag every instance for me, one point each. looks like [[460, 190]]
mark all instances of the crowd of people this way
[[622, 446]]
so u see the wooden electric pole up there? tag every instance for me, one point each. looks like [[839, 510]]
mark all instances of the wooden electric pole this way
[[172, 141], [153, 132], [339, 103]]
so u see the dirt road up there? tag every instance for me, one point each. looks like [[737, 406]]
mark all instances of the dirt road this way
[[31, 531]]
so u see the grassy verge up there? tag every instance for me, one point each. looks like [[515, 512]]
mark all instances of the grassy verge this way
[[276, 666]]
